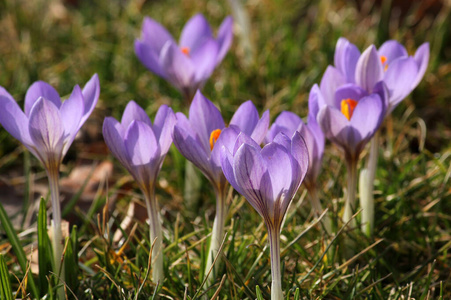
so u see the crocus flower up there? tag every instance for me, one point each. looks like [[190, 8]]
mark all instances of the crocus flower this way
[[390, 63], [350, 120], [141, 147], [47, 127], [200, 138], [188, 64], [268, 178]]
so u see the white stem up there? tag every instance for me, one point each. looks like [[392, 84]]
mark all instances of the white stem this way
[[317, 208], [274, 245], [155, 235], [351, 191], [217, 235], [53, 177]]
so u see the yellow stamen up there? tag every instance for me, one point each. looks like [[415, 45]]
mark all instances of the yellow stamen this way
[[185, 50], [383, 60], [214, 137], [347, 107]]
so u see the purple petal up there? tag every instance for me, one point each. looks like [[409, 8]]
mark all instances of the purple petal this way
[[368, 115], [91, 92], [178, 67], [227, 168], [287, 122], [369, 69], [141, 144], [392, 50], [261, 128], [399, 79], [14, 120], [226, 139], [244, 139], [5, 93], [113, 134], [40, 89], [316, 131], [149, 58], [422, 59], [71, 115], [345, 59], [195, 32], [154, 35], [283, 140], [331, 80], [204, 117], [349, 91], [225, 35], [315, 100], [134, 112], [163, 127], [315, 151], [245, 117], [204, 58], [299, 151], [46, 130]]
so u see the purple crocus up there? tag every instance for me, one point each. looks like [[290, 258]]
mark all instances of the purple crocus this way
[[141, 147], [350, 120], [288, 122], [268, 178], [47, 127], [390, 63], [188, 64], [200, 137]]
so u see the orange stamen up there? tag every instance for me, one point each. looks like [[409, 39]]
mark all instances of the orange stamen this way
[[214, 137], [347, 107], [383, 60], [185, 50]]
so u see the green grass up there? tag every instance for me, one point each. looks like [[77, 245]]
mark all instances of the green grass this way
[[292, 42]]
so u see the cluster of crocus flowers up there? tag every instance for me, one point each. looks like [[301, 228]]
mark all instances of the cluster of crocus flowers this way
[[188, 64], [288, 123], [399, 72], [141, 147], [199, 139], [268, 178], [47, 127]]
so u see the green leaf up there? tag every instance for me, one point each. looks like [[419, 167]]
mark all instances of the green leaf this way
[[259, 293], [5, 286], [18, 250], [44, 248], [71, 261]]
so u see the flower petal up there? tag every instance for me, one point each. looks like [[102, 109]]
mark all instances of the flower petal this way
[[349, 91], [154, 35], [71, 115], [299, 151], [227, 168], [195, 32], [315, 100], [113, 134], [134, 112], [5, 93], [91, 92], [392, 50], [368, 115], [204, 58], [331, 80], [225, 36], [244, 139], [163, 127], [422, 60], [40, 89], [14, 120], [178, 67], [345, 59], [287, 122], [47, 130], [141, 144], [245, 117], [204, 117], [399, 79], [261, 128], [149, 58], [369, 69]]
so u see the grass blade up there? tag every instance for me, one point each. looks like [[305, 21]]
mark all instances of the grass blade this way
[[5, 286], [44, 248]]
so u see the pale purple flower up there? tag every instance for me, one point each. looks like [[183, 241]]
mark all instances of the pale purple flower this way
[[390, 63], [188, 64], [267, 177], [138, 144], [47, 127], [288, 122], [200, 137]]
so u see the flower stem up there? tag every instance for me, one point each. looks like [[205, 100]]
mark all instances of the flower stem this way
[[53, 177], [351, 190], [155, 235], [366, 187], [217, 235], [317, 208], [274, 245]]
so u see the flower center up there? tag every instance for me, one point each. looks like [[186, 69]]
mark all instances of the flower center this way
[[185, 50], [214, 136], [383, 60], [347, 107]]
